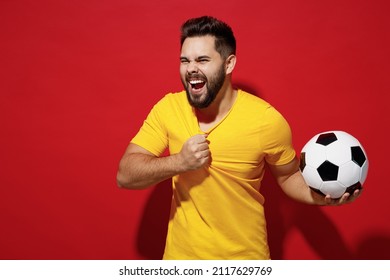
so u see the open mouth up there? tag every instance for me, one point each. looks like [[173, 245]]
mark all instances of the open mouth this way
[[197, 84]]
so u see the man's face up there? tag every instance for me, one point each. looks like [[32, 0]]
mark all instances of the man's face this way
[[202, 70]]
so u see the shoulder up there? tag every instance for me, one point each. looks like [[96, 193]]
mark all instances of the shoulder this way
[[172, 105], [259, 110], [173, 98], [250, 103]]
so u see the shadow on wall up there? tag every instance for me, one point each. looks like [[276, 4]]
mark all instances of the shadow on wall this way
[[284, 214], [154, 223]]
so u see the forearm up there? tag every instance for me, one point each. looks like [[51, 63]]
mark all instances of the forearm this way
[[139, 171], [295, 187], [290, 179]]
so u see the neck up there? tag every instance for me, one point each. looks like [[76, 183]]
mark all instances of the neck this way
[[220, 106]]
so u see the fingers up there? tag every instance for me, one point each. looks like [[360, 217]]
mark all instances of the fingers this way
[[330, 201], [196, 152], [199, 139], [198, 143], [345, 198], [201, 148]]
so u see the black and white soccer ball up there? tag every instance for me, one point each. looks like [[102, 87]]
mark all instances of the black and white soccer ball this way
[[334, 162]]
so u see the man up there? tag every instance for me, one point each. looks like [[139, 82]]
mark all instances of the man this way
[[219, 140]]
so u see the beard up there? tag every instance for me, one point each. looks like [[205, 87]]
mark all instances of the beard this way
[[213, 86]]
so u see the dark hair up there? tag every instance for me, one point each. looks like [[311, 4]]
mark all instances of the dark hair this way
[[225, 43]]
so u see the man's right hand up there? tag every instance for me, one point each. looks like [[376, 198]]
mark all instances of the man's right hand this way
[[195, 152]]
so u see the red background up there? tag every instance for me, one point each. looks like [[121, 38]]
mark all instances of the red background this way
[[79, 77]]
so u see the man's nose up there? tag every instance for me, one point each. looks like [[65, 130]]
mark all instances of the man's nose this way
[[192, 67]]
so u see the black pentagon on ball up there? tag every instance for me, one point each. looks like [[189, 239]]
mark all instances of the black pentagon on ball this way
[[326, 138], [328, 171], [351, 189], [302, 162], [358, 155]]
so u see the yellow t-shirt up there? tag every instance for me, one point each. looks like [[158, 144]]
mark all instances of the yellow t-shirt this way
[[217, 212]]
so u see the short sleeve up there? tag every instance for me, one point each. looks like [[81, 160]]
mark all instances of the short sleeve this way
[[152, 135], [279, 149]]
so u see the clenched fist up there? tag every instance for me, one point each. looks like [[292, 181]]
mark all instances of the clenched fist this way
[[195, 152]]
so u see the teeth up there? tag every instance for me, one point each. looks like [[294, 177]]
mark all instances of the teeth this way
[[196, 82]]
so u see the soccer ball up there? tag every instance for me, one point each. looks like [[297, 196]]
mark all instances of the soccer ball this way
[[334, 162]]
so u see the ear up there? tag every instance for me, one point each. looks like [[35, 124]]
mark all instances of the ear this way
[[230, 63]]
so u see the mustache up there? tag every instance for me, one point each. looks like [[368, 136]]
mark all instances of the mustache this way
[[195, 76]]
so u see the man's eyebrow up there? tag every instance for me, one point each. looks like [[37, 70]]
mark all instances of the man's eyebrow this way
[[202, 57], [198, 58]]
